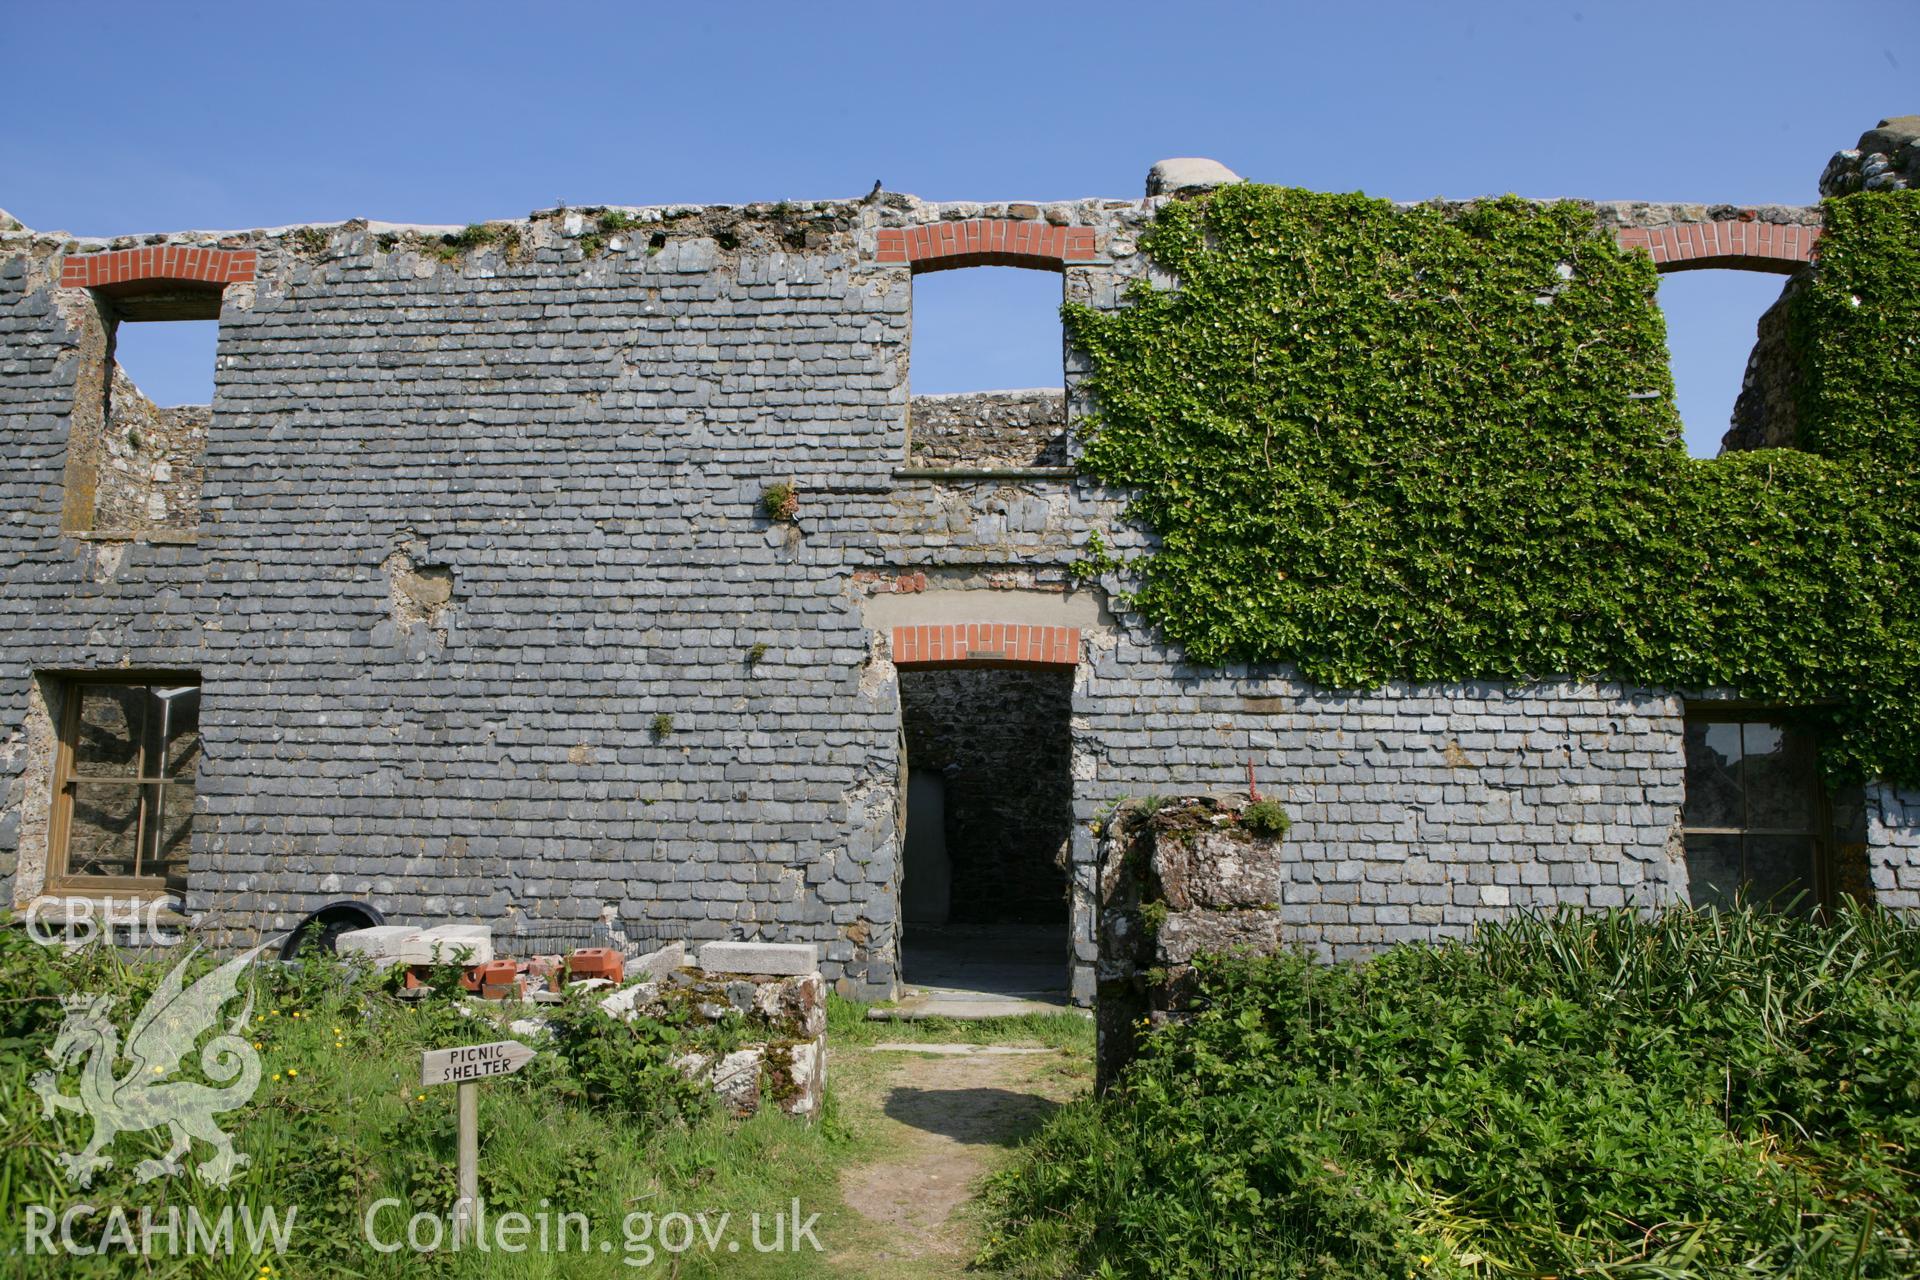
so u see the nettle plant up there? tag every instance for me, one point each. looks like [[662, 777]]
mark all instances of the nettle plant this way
[[1438, 443]]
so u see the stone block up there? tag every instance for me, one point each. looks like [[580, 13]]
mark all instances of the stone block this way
[[782, 958], [1220, 867], [405, 944], [455, 944], [1188, 933], [384, 944], [658, 963]]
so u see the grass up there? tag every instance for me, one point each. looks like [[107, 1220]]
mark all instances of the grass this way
[[340, 1121], [848, 1024], [597, 1125]]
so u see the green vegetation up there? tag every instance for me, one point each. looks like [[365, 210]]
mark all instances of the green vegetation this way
[[1438, 443], [310, 242], [609, 222], [599, 1124], [780, 501], [1266, 818], [662, 725], [454, 246], [1697, 1094]]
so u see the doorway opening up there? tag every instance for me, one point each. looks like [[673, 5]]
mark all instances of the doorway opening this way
[[984, 886]]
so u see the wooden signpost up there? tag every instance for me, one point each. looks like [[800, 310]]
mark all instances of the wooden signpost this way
[[466, 1066]]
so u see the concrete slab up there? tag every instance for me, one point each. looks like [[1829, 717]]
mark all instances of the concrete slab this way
[[383, 944], [779, 959], [408, 944], [456, 944], [657, 964]]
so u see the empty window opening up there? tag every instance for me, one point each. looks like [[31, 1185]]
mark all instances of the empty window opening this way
[[170, 362], [1758, 826], [1728, 386], [137, 447], [987, 369], [989, 825], [123, 783]]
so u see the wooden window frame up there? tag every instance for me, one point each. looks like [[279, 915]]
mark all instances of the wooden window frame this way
[[59, 880], [1821, 889]]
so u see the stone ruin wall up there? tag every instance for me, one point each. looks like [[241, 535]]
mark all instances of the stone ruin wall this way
[[988, 429], [492, 624], [149, 464]]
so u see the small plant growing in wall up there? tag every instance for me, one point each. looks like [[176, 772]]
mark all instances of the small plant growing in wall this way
[[1153, 917], [662, 726], [780, 501], [757, 652], [1266, 818]]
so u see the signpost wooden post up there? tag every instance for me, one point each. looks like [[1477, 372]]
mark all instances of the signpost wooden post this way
[[466, 1066]]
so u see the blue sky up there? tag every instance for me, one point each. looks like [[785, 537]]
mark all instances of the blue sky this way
[[159, 117]]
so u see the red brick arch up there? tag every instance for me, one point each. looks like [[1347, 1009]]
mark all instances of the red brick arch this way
[[157, 264], [985, 242], [997, 644], [1742, 244]]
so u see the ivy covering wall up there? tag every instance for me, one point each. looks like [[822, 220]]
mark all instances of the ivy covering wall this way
[[1439, 443]]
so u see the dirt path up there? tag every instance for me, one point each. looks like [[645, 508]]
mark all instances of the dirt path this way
[[944, 1121]]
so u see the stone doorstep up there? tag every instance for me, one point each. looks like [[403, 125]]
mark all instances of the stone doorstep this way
[[957, 1050], [965, 1010]]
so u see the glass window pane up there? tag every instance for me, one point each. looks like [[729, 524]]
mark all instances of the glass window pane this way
[[112, 720], [1780, 779], [1713, 870], [103, 829], [1779, 867], [1713, 776], [169, 829], [177, 722]]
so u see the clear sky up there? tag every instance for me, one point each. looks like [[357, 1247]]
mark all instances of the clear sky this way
[[125, 118]]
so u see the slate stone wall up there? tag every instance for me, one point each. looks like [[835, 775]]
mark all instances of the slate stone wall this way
[[65, 603], [491, 622]]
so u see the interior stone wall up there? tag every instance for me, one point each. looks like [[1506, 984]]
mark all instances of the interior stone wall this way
[[1000, 742], [149, 463], [989, 429], [1765, 415]]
